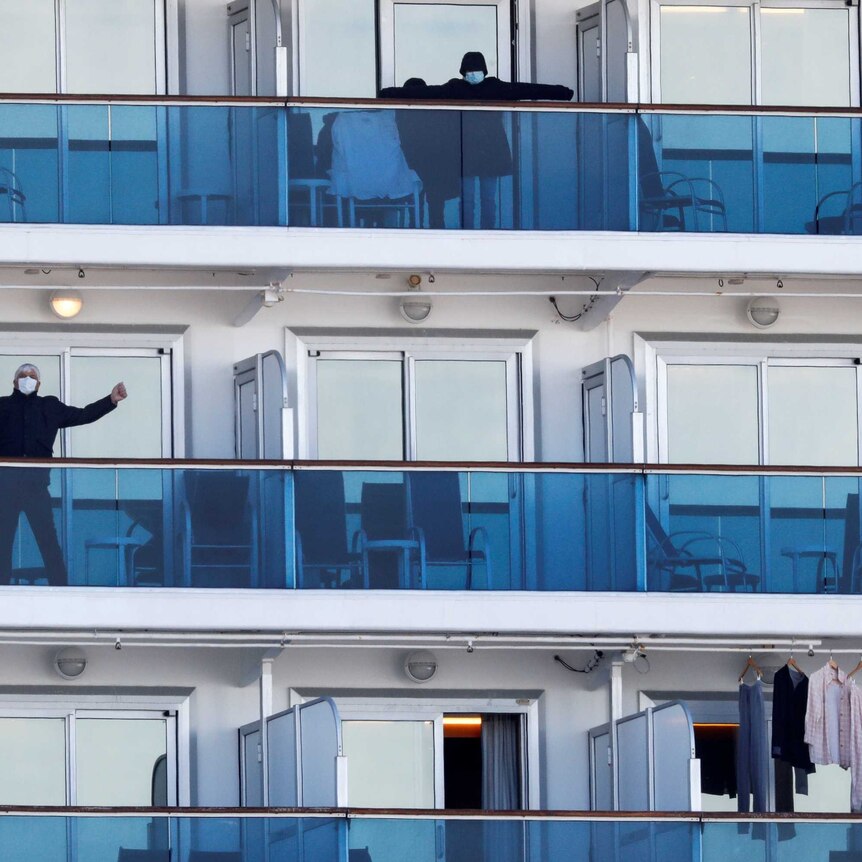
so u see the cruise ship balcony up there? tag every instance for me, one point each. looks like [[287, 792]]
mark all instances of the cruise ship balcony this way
[[312, 526], [363, 164], [339, 835]]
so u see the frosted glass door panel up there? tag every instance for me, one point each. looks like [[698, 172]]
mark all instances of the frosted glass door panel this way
[[27, 47], [338, 48], [116, 758], [461, 411], [431, 39], [32, 761], [712, 414], [391, 763], [706, 55], [134, 429], [598, 453], [111, 46], [805, 56], [359, 409], [813, 416]]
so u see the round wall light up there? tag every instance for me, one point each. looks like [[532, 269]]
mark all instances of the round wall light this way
[[415, 310], [763, 311], [420, 666], [70, 663], [66, 304]]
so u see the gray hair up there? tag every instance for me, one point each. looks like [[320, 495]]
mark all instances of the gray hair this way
[[25, 369]]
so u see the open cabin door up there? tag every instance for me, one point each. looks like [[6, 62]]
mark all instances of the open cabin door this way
[[262, 417], [645, 762]]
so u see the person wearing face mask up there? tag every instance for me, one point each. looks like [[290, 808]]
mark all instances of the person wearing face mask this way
[[29, 424], [485, 146]]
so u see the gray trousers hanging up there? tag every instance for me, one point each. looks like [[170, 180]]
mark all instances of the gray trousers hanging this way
[[752, 749]]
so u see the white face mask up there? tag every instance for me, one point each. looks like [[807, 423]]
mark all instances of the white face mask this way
[[27, 385], [474, 77]]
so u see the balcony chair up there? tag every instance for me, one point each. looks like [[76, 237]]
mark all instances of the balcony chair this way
[[838, 213], [15, 197], [437, 517], [322, 551], [666, 196], [391, 549], [695, 561], [370, 173], [218, 530]]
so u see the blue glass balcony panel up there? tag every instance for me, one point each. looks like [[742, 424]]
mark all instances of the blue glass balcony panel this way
[[231, 837], [396, 167], [308, 527]]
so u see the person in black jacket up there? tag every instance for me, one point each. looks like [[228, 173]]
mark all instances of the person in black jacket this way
[[28, 428], [485, 153]]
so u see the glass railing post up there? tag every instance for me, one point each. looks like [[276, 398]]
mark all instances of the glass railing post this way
[[290, 575]]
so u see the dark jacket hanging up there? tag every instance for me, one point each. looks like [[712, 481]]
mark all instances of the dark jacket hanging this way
[[789, 703]]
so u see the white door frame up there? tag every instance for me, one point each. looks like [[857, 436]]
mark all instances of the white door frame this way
[[386, 36]]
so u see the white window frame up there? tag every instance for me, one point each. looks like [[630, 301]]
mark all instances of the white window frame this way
[[167, 345], [415, 709], [386, 36], [652, 357], [514, 349], [755, 41], [72, 707]]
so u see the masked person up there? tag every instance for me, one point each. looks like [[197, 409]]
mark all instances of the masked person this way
[[28, 428], [485, 155]]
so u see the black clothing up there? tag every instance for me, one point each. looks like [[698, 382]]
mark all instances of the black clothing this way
[[474, 61], [29, 423], [789, 703], [486, 150], [28, 429]]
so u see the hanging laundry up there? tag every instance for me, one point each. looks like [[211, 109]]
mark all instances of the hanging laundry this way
[[752, 751], [854, 745], [827, 717], [792, 758]]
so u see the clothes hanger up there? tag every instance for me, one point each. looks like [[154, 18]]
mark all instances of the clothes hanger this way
[[857, 668], [832, 663], [791, 662], [751, 664]]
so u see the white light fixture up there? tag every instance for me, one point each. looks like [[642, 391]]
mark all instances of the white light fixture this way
[[763, 311], [415, 310], [70, 663], [420, 666], [66, 303]]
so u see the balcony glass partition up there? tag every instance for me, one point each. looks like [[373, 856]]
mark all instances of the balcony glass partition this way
[[451, 167], [338, 836], [403, 528]]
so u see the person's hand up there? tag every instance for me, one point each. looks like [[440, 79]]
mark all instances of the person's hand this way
[[118, 393]]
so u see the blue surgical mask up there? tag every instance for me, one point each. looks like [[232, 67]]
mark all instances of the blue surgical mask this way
[[27, 385], [474, 77]]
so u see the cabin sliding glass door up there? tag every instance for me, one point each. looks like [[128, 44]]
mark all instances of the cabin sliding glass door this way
[[790, 52], [82, 46]]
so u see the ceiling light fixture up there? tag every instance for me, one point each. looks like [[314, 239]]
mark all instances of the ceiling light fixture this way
[[66, 303], [420, 666], [763, 311], [70, 663]]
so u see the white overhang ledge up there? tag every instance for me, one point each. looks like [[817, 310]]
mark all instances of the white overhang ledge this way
[[299, 249], [506, 614]]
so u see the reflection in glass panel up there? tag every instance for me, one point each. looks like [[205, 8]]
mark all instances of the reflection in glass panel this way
[[712, 414], [805, 56], [134, 429], [111, 45], [117, 760], [391, 763], [32, 761], [27, 47], [359, 409], [813, 416], [431, 39], [461, 411], [706, 55], [339, 48]]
